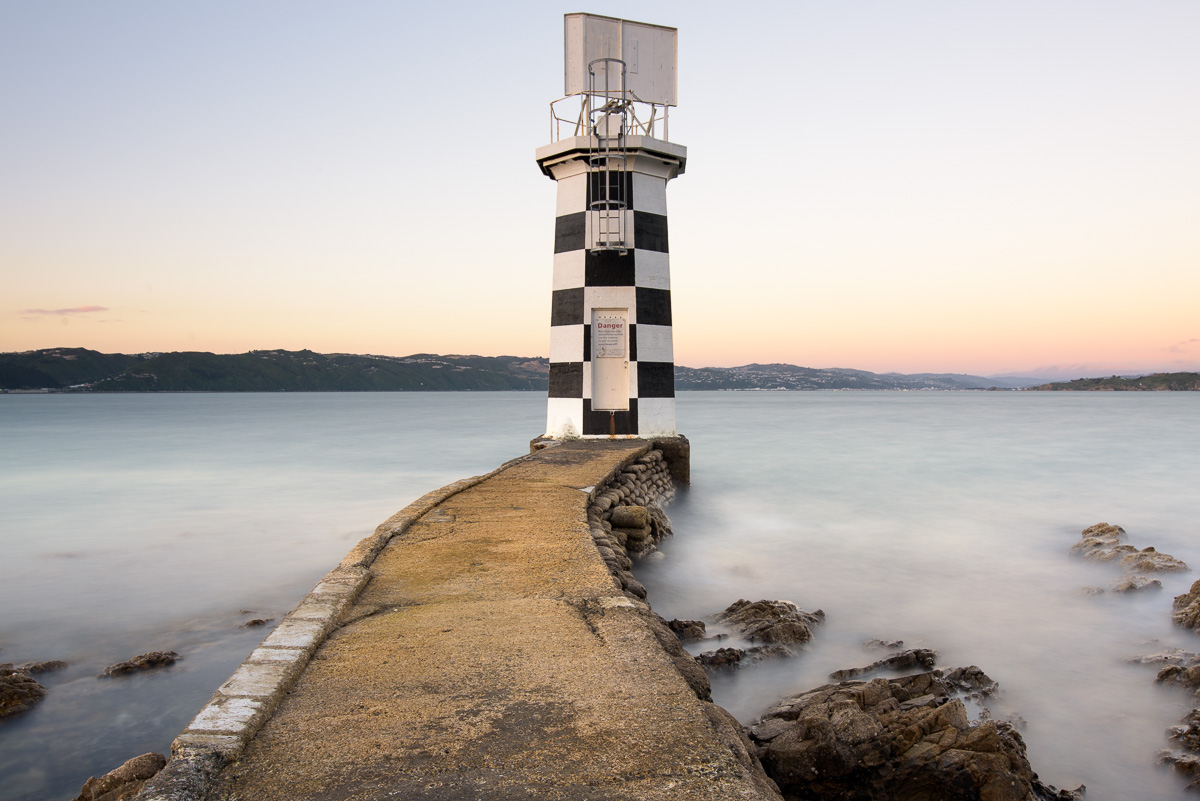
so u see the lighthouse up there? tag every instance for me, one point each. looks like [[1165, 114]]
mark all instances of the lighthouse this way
[[612, 363]]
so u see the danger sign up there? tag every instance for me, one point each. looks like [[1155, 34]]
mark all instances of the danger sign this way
[[608, 338]]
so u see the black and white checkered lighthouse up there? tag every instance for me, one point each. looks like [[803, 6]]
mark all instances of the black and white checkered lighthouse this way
[[612, 361]]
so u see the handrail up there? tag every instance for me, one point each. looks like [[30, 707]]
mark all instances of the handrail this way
[[578, 125]]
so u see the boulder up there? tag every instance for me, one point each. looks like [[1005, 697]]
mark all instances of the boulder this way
[[146, 661], [18, 692], [123, 783], [904, 738], [771, 621]]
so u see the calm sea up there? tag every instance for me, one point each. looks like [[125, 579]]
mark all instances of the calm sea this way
[[132, 523]]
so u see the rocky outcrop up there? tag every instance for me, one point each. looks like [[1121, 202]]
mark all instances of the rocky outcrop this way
[[921, 658], [1185, 671], [737, 657], [1100, 542], [18, 692], [779, 622], [123, 783], [147, 661], [33, 668], [1103, 543], [1186, 609], [1136, 584], [775, 625], [903, 738], [1182, 668]]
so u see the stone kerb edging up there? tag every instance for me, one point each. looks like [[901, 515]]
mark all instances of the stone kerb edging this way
[[239, 708]]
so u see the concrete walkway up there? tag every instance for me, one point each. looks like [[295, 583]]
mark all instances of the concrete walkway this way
[[492, 656]]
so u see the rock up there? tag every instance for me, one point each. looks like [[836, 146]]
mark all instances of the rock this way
[[631, 584], [1169, 656], [123, 783], [1136, 584], [923, 658], [1098, 542], [42, 667], [1187, 764], [18, 692], [771, 621], [630, 517], [902, 738], [1148, 560], [660, 524], [971, 681], [736, 657], [635, 539], [1188, 734], [1187, 674], [1187, 608], [1102, 542], [721, 658], [146, 661], [688, 630], [258, 621], [891, 645]]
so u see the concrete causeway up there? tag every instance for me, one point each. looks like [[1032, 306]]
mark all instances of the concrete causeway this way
[[477, 647]]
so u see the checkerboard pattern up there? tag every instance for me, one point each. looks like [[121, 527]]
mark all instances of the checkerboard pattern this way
[[637, 280]]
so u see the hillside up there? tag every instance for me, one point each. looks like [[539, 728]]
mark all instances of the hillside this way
[[81, 370], [266, 371], [1159, 382], [58, 368], [791, 377]]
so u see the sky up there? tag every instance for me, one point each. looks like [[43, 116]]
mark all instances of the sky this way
[[988, 187]]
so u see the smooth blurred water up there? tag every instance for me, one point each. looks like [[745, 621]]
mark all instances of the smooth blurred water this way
[[145, 522], [944, 520], [131, 523]]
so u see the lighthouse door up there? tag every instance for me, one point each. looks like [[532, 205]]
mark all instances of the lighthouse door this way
[[610, 359]]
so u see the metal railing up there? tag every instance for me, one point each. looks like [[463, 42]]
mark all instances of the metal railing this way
[[644, 119]]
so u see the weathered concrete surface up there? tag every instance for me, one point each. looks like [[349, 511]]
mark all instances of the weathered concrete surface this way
[[493, 656]]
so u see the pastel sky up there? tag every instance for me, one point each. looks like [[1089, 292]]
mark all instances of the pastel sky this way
[[980, 187]]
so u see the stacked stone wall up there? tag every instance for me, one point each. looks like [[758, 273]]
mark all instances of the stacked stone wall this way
[[627, 520]]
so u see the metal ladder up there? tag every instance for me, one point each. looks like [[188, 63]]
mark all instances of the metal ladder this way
[[607, 173]]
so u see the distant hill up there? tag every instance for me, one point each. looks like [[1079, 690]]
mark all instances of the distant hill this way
[[1159, 382], [791, 377], [81, 370], [57, 368], [266, 371]]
